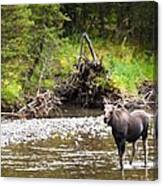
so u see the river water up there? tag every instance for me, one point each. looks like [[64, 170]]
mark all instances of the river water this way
[[77, 156]]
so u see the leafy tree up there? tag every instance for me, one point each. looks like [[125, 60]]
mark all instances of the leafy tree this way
[[30, 39], [15, 31], [48, 22], [135, 22]]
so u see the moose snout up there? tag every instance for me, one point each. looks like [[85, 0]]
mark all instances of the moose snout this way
[[105, 120]]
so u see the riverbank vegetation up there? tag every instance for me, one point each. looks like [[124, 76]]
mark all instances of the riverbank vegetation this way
[[41, 43]]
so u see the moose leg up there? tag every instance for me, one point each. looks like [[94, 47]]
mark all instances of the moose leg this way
[[145, 151], [144, 138], [133, 153], [121, 150]]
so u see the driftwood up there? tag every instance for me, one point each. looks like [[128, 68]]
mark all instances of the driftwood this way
[[11, 115], [87, 39], [146, 99], [148, 90], [42, 105], [131, 103]]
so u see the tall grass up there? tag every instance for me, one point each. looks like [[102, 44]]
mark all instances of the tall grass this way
[[127, 76], [127, 67]]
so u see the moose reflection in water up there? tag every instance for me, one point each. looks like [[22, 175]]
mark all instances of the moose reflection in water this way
[[127, 127]]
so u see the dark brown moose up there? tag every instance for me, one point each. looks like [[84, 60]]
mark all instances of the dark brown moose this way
[[127, 127]]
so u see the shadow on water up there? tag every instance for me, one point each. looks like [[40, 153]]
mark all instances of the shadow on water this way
[[87, 157], [76, 111]]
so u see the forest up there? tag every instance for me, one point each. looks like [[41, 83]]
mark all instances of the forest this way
[[79, 91], [40, 45]]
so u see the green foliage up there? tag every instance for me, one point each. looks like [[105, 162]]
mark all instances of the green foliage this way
[[40, 44], [48, 25], [131, 21], [15, 28], [67, 57], [30, 42], [48, 22], [11, 91], [128, 71]]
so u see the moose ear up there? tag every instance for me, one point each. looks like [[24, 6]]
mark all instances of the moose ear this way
[[119, 105], [113, 108], [105, 100]]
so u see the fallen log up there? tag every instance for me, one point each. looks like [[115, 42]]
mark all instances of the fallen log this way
[[10, 114], [41, 106], [14, 115]]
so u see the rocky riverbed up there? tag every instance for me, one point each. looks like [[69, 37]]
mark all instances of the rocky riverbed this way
[[70, 147], [22, 131]]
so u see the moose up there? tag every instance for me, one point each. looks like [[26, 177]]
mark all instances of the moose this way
[[128, 127]]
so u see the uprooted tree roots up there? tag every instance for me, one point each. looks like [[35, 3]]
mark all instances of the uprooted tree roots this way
[[81, 88]]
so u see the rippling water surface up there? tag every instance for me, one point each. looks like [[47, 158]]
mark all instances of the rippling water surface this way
[[81, 156]]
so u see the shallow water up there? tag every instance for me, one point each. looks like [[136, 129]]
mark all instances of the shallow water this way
[[79, 156]]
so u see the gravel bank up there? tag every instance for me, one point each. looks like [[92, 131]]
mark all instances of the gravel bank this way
[[21, 131]]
